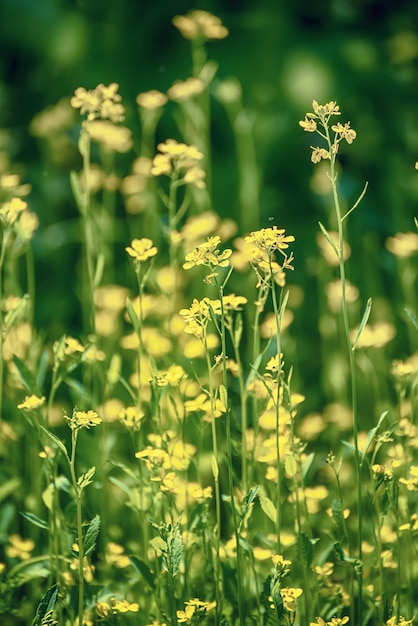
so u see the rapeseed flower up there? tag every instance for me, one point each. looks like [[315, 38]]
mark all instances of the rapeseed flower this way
[[403, 245], [124, 606], [31, 403], [131, 417], [83, 419], [141, 249], [151, 100], [208, 254], [183, 90], [200, 25], [19, 548], [289, 597], [179, 159], [99, 103]]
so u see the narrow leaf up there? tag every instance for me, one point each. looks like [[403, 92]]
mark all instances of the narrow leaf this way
[[412, 317], [46, 605], [34, 519], [56, 440], [142, 568], [27, 377], [329, 239], [363, 323], [249, 500], [133, 316], [91, 535], [357, 202]]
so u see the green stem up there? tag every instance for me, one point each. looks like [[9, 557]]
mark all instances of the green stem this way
[[350, 350], [80, 541], [229, 453]]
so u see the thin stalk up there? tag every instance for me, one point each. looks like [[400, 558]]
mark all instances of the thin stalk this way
[[229, 453], [277, 316], [218, 594], [354, 406], [80, 540]]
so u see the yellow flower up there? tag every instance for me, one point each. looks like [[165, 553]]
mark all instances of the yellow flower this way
[[403, 244], [201, 25], [114, 138], [11, 210], [72, 346], [101, 102], [375, 336], [318, 154], [131, 417], [207, 254], [151, 100], [141, 249], [289, 597], [31, 403], [185, 617], [345, 131], [83, 419], [269, 240], [115, 555], [308, 125], [19, 548], [124, 606], [183, 90]]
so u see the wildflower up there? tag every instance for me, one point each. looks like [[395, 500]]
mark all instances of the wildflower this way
[[124, 606], [200, 25], [402, 621], [411, 483], [180, 159], [344, 131], [11, 210], [308, 125], [131, 417], [83, 419], [114, 138], [31, 403], [207, 254], [151, 100], [289, 597], [72, 346], [115, 555], [20, 548], [141, 249], [101, 102], [102, 610], [183, 90], [269, 240], [318, 154], [375, 336], [335, 621], [201, 493], [403, 245]]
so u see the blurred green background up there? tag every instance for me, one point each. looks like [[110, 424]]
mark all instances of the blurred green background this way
[[361, 53]]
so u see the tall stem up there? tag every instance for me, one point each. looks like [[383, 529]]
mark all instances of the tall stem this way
[[80, 541], [350, 350]]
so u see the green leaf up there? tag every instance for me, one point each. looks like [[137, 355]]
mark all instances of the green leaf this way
[[142, 568], [268, 508], [91, 535], [412, 317], [372, 432], [85, 479], [77, 191], [34, 519], [28, 379], [290, 465], [329, 239], [341, 556], [158, 544], [249, 500], [363, 322], [338, 515], [46, 605], [305, 549], [56, 440], [223, 395], [133, 316]]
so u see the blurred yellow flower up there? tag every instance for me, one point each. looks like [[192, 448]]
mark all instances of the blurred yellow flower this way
[[141, 249], [375, 336], [31, 403], [186, 89], [403, 244], [201, 25], [124, 606], [114, 138], [151, 100], [19, 548]]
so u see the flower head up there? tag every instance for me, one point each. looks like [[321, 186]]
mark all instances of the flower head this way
[[151, 100], [31, 403], [141, 249], [99, 103], [201, 25], [208, 254], [83, 419]]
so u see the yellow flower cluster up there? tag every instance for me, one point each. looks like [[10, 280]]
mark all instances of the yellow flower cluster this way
[[83, 419], [181, 160], [335, 621], [192, 609], [31, 403], [208, 254], [321, 116], [99, 103], [103, 609], [14, 213], [200, 25]]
